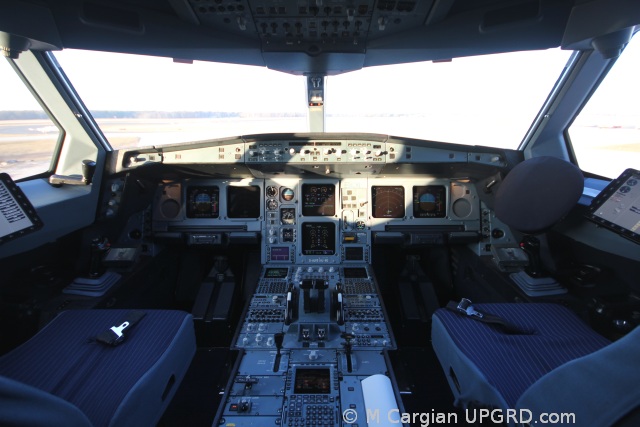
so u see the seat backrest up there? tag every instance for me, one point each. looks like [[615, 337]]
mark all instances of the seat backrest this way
[[538, 193], [600, 388], [23, 405]]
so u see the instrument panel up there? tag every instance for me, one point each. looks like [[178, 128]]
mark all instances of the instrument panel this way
[[318, 221]]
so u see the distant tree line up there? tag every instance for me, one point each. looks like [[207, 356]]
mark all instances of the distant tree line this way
[[22, 115], [116, 114]]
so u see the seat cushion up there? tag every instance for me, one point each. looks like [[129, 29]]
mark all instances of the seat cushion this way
[[129, 384], [599, 390], [504, 365]]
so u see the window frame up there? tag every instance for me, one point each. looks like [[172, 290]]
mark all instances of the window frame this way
[[610, 63], [62, 133]]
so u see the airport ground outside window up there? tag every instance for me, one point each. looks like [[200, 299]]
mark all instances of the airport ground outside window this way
[[28, 137], [606, 134]]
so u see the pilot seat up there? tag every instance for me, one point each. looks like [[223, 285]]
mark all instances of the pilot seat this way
[[537, 357], [97, 368]]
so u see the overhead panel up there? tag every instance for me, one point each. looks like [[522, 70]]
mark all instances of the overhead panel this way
[[312, 27]]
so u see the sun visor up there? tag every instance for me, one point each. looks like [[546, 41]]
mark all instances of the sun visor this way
[[603, 25], [25, 26]]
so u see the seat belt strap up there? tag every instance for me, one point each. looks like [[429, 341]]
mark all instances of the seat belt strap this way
[[466, 308], [116, 334]]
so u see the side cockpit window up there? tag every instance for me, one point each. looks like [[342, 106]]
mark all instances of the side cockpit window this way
[[28, 136], [606, 134]]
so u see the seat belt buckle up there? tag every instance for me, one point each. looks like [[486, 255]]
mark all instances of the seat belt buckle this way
[[465, 306], [116, 334], [119, 331]]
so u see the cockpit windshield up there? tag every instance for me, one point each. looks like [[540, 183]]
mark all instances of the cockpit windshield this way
[[142, 101]]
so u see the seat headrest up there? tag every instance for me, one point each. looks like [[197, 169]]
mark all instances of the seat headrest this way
[[538, 193]]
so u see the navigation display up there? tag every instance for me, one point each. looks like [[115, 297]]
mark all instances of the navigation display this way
[[203, 202], [617, 207], [243, 202], [429, 201], [318, 238], [318, 199], [312, 381], [388, 201]]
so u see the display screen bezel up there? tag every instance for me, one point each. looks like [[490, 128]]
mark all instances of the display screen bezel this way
[[308, 248], [419, 190], [312, 381], [214, 203], [602, 200], [19, 217], [243, 206], [327, 208], [276, 273], [279, 253], [377, 208]]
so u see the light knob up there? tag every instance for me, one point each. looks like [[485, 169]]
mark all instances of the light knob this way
[[292, 151]]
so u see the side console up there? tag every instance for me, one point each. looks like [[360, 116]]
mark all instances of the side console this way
[[313, 343]]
